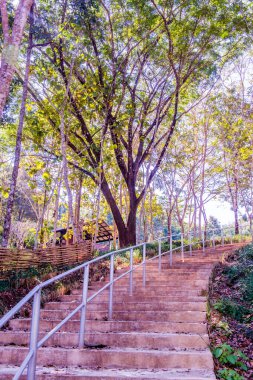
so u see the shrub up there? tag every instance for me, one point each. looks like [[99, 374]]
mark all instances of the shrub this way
[[227, 355], [248, 288], [4, 285], [229, 374], [233, 273], [232, 309]]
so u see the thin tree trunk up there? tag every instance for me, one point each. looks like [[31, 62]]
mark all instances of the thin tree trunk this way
[[236, 202], [65, 176], [71, 220], [77, 208], [15, 170], [151, 214], [144, 219], [202, 189], [251, 228], [40, 221], [169, 224], [236, 221], [11, 46], [97, 216], [56, 207]]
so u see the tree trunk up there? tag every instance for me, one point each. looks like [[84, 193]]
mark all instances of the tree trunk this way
[[169, 222], [251, 227], [71, 220], [15, 170], [143, 219], [131, 225], [77, 208], [205, 222], [41, 220], [56, 207], [152, 237], [114, 235], [127, 233], [236, 221], [115, 211], [11, 46], [236, 202], [66, 179]]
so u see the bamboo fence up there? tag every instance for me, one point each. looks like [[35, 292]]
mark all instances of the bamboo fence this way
[[20, 259]]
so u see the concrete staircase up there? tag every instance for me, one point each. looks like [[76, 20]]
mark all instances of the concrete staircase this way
[[158, 333]]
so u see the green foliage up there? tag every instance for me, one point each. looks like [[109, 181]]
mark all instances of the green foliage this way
[[12, 278], [240, 274], [227, 355], [229, 374], [4, 285], [233, 273], [214, 225], [152, 249], [232, 309], [30, 239], [248, 289]]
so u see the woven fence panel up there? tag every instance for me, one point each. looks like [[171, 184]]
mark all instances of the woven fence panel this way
[[15, 259]]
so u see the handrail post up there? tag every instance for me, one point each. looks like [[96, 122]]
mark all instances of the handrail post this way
[[84, 303], [111, 287], [144, 265], [190, 243], [222, 237], [31, 370], [131, 273], [182, 247], [203, 241], [171, 250], [159, 254]]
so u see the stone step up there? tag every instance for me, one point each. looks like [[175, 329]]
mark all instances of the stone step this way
[[172, 284], [155, 315], [120, 306], [111, 358], [139, 297], [164, 275], [194, 262], [61, 373], [114, 326], [171, 271], [171, 281], [159, 291], [165, 291], [134, 340]]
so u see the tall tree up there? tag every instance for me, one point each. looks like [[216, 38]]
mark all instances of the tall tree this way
[[12, 38], [10, 202], [235, 140], [138, 66]]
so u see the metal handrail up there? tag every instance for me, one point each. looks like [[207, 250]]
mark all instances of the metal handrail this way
[[30, 360]]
